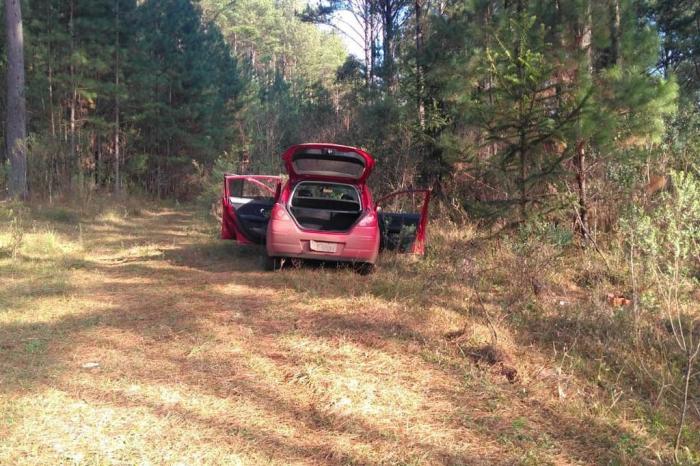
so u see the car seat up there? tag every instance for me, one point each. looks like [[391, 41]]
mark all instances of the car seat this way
[[305, 193]]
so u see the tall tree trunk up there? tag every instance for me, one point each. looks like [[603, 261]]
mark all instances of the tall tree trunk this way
[[522, 152], [582, 184], [614, 32], [367, 41], [419, 63], [74, 163], [585, 71], [97, 172], [244, 155], [522, 138], [117, 116], [49, 61], [372, 41], [16, 132], [389, 68]]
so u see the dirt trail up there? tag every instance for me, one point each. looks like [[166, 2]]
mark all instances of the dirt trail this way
[[206, 359]]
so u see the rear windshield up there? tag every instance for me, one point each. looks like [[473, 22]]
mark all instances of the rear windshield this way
[[326, 196], [345, 164]]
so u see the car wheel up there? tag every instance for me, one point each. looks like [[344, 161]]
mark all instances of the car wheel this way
[[296, 262], [364, 268], [272, 263]]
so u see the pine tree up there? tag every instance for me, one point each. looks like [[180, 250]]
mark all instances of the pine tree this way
[[184, 79], [16, 113], [629, 102], [521, 112]]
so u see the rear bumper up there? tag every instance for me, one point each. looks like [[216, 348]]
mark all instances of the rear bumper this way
[[286, 239]]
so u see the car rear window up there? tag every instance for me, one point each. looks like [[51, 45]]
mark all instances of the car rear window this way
[[326, 196], [348, 165]]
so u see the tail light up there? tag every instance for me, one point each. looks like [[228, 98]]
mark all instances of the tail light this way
[[368, 219]]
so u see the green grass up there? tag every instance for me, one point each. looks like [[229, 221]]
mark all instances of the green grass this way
[[57, 214], [203, 358]]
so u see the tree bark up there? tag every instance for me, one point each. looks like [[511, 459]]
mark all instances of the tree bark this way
[[586, 41], [367, 41], [581, 182], [389, 28], [419, 63], [16, 118], [117, 116], [586, 69], [373, 51], [74, 162], [615, 32], [522, 139]]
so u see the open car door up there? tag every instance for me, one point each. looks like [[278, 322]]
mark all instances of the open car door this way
[[403, 220], [247, 202]]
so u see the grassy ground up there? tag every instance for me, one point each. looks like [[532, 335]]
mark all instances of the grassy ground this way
[[131, 335]]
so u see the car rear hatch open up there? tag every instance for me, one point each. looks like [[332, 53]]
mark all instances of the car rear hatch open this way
[[325, 206], [328, 162]]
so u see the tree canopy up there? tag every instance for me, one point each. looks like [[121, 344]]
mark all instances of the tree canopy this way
[[503, 107]]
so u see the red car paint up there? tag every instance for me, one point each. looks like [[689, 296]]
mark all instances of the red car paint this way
[[285, 237]]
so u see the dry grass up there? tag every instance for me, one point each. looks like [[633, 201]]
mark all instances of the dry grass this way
[[131, 336]]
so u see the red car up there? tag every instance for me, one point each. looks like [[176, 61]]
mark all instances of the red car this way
[[324, 211]]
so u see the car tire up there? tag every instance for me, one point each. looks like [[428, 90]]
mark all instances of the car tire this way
[[364, 268], [272, 263], [296, 263]]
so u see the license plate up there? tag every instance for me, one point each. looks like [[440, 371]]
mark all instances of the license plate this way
[[323, 247]]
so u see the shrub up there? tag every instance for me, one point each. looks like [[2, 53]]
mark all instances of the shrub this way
[[663, 244]]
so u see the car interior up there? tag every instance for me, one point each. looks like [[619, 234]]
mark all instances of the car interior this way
[[253, 205], [399, 220], [398, 230], [325, 206]]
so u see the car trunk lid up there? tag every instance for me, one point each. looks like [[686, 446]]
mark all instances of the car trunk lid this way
[[328, 162]]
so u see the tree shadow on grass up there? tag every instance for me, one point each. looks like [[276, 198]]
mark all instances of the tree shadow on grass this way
[[318, 284], [159, 314], [211, 377]]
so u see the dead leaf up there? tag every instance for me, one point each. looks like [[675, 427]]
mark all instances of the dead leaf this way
[[618, 300]]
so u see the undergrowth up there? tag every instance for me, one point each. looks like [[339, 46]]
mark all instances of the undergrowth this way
[[539, 288]]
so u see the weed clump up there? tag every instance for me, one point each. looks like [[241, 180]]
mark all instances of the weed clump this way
[[15, 216]]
